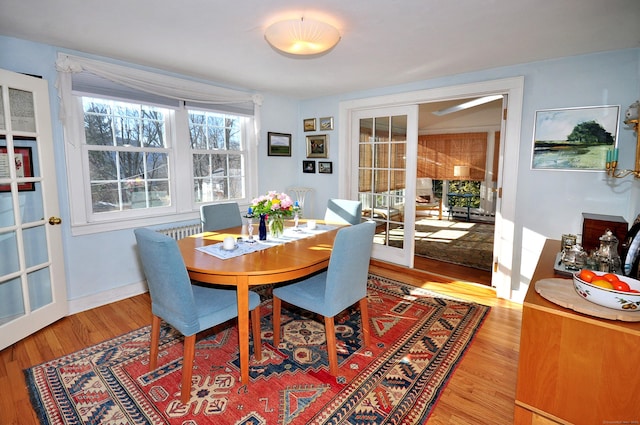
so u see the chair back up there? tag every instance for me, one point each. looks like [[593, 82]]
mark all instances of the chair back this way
[[343, 211], [169, 284], [424, 187], [220, 216], [349, 265]]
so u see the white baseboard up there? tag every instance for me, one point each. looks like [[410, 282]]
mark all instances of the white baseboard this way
[[106, 297]]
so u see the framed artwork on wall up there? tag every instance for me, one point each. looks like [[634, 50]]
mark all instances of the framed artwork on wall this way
[[326, 123], [24, 167], [308, 167], [575, 139], [317, 146], [309, 124], [325, 167], [279, 144]]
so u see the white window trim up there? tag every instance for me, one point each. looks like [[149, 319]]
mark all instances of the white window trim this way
[[71, 115]]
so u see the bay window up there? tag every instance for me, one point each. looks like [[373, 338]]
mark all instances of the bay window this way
[[150, 149]]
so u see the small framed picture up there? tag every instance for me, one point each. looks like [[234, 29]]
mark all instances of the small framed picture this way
[[317, 146], [309, 124], [325, 167], [279, 144], [326, 123], [24, 167], [308, 167]]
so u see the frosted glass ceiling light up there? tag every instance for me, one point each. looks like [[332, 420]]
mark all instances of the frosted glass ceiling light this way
[[302, 37]]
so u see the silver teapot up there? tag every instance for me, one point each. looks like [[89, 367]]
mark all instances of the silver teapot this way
[[607, 257]]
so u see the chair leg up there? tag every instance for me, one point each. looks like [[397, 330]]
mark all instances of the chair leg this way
[[155, 342], [187, 367], [364, 315], [332, 349], [277, 304], [257, 339]]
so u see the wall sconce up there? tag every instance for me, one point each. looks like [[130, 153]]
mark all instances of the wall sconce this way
[[302, 37], [631, 119], [461, 171]]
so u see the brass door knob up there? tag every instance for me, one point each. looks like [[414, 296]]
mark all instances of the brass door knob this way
[[55, 220]]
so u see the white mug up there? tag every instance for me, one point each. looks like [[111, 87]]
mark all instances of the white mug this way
[[229, 243], [311, 224]]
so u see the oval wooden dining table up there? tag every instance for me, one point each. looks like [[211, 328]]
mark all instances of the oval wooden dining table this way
[[280, 263]]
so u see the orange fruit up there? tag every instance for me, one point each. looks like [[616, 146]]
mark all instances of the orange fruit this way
[[586, 275], [602, 283], [621, 286], [611, 277]]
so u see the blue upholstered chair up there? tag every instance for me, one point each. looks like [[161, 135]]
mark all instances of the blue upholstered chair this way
[[343, 211], [220, 216], [188, 308], [328, 293]]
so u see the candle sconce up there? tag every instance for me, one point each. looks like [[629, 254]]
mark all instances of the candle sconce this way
[[612, 154]]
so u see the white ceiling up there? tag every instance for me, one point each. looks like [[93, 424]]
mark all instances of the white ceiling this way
[[384, 42]]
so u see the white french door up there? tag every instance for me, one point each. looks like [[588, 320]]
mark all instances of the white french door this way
[[384, 144], [32, 280]]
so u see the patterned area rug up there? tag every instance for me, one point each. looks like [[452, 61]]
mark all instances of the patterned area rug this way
[[418, 337], [464, 243]]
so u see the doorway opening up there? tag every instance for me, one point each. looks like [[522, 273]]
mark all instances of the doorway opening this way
[[458, 156]]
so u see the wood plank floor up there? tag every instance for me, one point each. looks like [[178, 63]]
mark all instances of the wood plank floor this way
[[481, 391]]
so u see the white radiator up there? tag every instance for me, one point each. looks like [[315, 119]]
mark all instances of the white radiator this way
[[180, 232]]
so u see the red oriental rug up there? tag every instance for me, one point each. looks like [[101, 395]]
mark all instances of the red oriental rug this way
[[418, 337]]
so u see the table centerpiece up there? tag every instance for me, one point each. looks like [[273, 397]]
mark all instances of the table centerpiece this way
[[273, 207]]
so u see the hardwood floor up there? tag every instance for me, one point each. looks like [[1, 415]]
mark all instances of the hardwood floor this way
[[452, 270], [481, 390]]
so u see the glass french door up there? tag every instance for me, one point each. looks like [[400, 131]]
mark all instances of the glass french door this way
[[32, 281], [384, 143]]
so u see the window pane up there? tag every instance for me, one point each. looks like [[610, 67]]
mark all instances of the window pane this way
[[131, 165], [218, 174], [153, 128], [98, 126], [22, 110], [127, 131], [157, 165], [104, 197], [102, 165], [197, 131]]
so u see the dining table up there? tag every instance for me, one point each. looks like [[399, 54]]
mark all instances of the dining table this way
[[294, 258]]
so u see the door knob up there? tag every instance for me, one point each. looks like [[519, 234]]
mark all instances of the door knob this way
[[55, 220]]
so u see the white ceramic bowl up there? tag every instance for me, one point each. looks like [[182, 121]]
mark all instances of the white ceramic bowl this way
[[618, 300]]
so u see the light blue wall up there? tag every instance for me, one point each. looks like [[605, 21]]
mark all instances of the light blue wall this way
[[101, 262], [548, 203]]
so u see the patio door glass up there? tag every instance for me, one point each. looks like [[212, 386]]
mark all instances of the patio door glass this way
[[386, 157]]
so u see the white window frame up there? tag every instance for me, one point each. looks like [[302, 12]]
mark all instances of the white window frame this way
[[183, 206]]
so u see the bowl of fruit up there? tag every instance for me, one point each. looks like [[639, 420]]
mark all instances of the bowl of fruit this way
[[608, 289]]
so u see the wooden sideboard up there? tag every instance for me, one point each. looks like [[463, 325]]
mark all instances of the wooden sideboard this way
[[574, 368]]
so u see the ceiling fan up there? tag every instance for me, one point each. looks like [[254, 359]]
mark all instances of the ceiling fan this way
[[467, 105]]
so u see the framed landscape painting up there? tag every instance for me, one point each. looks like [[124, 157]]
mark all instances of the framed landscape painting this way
[[279, 144], [574, 138]]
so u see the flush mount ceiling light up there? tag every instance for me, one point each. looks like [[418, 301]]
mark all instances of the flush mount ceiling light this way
[[302, 37]]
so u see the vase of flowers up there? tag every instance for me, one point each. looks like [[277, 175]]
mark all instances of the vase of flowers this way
[[276, 206]]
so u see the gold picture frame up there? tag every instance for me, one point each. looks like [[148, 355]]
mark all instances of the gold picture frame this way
[[309, 124], [317, 146]]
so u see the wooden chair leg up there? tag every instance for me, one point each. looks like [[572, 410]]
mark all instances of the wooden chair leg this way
[[257, 339], [155, 342], [277, 305], [332, 349], [364, 315], [187, 367]]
